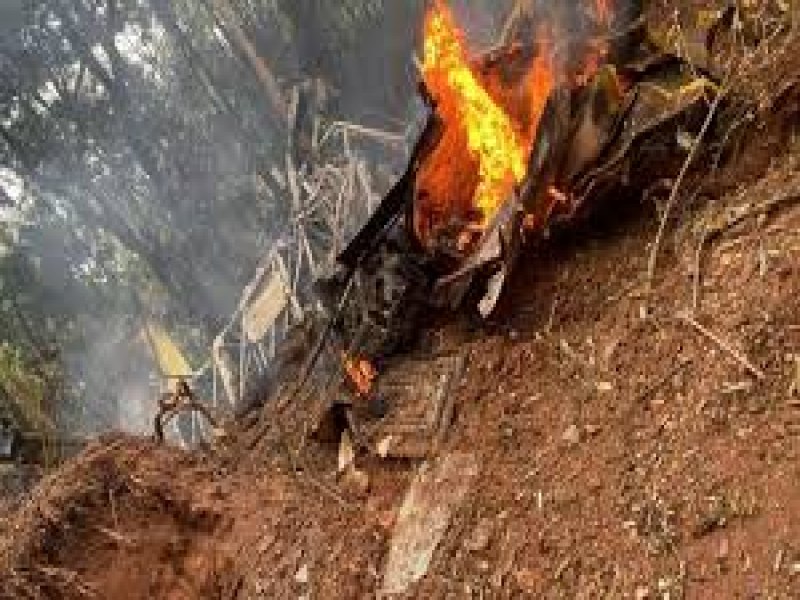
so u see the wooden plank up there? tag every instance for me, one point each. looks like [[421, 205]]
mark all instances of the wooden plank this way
[[265, 308], [435, 494], [226, 376]]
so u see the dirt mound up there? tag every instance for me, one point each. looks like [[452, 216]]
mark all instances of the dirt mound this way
[[117, 523]]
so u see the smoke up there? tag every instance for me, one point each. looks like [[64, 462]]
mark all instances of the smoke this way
[[181, 173], [482, 20], [114, 371]]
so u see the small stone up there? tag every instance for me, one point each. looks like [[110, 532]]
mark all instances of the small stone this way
[[778, 563], [356, 481], [384, 446], [592, 430], [526, 580], [302, 575], [605, 386], [347, 453], [642, 593], [724, 550], [572, 435]]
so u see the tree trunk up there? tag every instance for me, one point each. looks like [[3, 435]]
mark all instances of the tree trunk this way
[[238, 39]]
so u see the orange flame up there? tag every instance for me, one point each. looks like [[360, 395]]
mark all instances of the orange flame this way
[[484, 151]]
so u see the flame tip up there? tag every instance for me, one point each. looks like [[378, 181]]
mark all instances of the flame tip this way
[[479, 128], [491, 112]]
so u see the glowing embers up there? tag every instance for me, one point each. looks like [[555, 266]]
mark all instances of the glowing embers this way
[[360, 374], [490, 113]]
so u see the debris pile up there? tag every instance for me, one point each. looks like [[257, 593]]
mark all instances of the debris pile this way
[[516, 143]]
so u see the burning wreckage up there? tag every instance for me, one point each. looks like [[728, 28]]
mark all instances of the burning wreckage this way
[[570, 111]]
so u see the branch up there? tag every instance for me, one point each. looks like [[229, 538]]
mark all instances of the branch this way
[[673, 196], [231, 25]]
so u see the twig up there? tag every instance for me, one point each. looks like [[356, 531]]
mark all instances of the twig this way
[[654, 387], [562, 568], [326, 490], [388, 137], [651, 263], [113, 506], [300, 471], [732, 352], [697, 276], [116, 536], [551, 319], [68, 577], [736, 217]]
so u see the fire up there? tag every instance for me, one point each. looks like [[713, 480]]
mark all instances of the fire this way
[[360, 372], [489, 129], [490, 135]]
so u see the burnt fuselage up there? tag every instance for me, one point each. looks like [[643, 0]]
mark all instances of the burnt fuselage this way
[[593, 137]]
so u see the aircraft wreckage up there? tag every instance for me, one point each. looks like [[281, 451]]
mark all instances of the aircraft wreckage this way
[[575, 109]]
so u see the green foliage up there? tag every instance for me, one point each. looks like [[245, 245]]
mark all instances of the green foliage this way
[[25, 388]]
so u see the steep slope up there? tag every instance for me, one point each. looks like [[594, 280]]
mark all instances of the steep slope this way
[[623, 448]]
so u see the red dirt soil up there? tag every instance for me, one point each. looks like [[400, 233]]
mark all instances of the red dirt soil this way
[[625, 450]]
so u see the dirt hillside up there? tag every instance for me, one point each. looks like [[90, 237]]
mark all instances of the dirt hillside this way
[[625, 449]]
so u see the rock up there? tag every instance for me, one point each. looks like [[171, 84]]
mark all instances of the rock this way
[[572, 435], [302, 575], [526, 581], [642, 593], [347, 454], [355, 481], [605, 387], [384, 446]]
